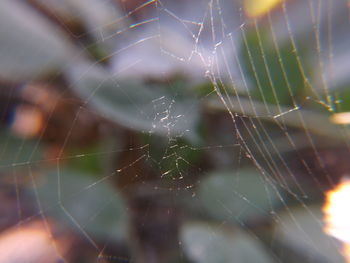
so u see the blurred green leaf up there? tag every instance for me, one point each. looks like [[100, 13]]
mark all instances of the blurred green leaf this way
[[312, 120], [146, 108], [16, 151], [83, 203], [30, 46], [205, 243], [237, 196]]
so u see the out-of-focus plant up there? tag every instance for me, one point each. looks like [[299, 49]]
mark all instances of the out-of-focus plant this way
[[201, 114]]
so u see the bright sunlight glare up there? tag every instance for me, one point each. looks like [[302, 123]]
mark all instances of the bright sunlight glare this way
[[337, 215], [255, 8]]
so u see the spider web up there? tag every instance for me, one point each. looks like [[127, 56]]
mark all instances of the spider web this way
[[271, 86]]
